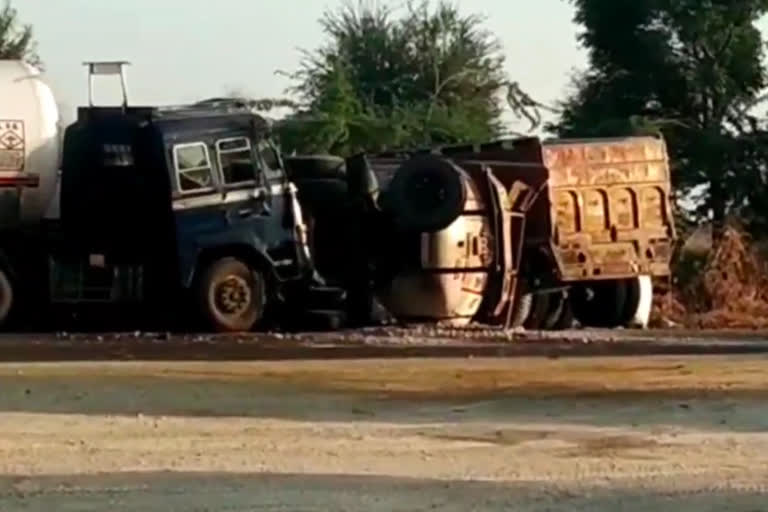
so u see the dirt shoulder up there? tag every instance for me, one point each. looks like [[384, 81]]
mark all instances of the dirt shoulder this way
[[422, 378], [375, 343]]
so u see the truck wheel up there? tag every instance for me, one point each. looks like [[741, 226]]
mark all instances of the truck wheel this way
[[232, 295], [322, 195], [539, 310], [565, 320], [613, 297], [426, 195], [631, 301], [556, 306], [6, 297], [637, 312], [600, 303], [521, 309]]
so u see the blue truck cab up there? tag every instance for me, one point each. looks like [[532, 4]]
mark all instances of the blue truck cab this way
[[181, 210]]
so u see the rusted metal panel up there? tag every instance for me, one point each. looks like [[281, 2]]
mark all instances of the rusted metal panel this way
[[611, 206], [605, 161]]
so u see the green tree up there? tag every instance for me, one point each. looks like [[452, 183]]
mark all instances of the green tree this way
[[386, 78], [689, 69], [16, 40]]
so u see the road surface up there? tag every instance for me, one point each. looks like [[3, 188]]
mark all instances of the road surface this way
[[527, 434]]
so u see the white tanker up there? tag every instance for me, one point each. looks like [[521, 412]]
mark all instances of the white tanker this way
[[30, 145]]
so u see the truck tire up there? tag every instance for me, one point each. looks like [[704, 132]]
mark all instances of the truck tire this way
[[306, 167], [631, 301], [521, 309], [539, 310], [639, 302], [232, 295], [326, 206], [426, 195], [566, 318], [6, 298], [600, 303], [321, 320], [556, 305], [321, 195]]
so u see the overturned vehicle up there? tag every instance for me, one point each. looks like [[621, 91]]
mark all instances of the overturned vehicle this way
[[519, 232]]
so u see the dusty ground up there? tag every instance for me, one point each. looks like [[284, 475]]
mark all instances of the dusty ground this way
[[660, 433]]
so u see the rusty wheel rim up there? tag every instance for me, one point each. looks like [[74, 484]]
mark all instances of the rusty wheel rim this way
[[233, 295]]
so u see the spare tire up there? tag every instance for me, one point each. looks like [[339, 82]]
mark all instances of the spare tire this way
[[303, 167], [6, 297], [426, 194]]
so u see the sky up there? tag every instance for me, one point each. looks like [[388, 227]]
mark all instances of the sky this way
[[186, 50]]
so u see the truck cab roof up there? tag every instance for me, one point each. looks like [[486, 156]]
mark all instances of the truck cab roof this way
[[122, 166], [216, 113]]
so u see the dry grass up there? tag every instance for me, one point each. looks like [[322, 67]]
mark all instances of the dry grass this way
[[729, 291]]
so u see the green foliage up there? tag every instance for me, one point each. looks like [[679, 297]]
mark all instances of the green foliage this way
[[16, 42], [383, 80], [690, 69]]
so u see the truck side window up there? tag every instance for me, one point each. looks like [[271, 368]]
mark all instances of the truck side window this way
[[236, 161], [269, 156], [193, 166]]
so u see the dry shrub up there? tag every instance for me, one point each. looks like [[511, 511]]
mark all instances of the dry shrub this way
[[668, 311], [726, 289]]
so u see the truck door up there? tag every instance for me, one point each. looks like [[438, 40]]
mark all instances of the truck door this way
[[220, 189], [243, 186], [223, 198]]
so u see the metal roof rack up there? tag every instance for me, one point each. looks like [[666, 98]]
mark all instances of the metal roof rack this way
[[107, 68], [204, 108]]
